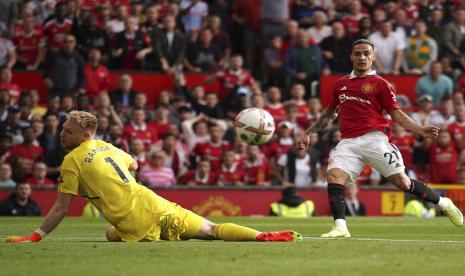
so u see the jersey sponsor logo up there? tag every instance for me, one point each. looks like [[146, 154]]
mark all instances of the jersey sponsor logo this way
[[344, 97], [368, 88]]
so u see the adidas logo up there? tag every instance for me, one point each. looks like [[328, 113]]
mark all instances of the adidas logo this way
[[344, 88]]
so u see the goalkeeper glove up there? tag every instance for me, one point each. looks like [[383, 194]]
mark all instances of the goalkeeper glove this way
[[34, 237]]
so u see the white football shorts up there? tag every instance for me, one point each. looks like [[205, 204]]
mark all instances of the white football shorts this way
[[373, 148]]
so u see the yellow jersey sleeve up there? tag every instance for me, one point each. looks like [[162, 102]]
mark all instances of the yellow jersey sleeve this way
[[126, 157], [69, 177]]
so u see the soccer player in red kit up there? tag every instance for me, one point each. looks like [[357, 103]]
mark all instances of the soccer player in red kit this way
[[362, 100]]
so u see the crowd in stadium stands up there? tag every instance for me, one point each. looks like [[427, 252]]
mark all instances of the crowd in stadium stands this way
[[263, 53]]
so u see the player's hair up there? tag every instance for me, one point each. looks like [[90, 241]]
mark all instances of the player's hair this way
[[362, 41], [85, 120]]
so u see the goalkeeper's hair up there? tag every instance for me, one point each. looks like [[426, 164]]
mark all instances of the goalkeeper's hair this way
[[362, 41], [85, 120]]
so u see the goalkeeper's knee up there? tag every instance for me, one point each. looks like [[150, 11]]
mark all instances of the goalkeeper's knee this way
[[112, 234]]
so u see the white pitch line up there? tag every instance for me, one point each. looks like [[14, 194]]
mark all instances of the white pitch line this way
[[384, 240]]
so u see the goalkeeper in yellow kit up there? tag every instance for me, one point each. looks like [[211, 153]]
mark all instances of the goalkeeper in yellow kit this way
[[99, 172]]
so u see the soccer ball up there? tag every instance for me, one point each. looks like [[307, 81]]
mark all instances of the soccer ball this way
[[254, 126]]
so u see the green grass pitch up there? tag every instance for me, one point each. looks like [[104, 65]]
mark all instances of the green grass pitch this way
[[379, 246]]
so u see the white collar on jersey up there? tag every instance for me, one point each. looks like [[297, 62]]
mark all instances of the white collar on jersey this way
[[352, 75]]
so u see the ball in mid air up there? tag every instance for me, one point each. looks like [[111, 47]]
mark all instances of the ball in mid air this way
[[254, 126]]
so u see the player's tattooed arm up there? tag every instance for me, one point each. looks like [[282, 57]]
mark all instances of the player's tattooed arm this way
[[327, 117]]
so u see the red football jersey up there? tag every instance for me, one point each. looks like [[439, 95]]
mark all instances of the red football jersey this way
[[210, 152], [26, 155], [275, 149], [362, 102], [351, 25], [161, 129], [56, 32], [277, 111], [146, 133], [456, 130], [33, 182], [192, 178], [405, 145], [256, 173], [230, 79], [27, 45], [443, 163], [232, 176], [97, 79]]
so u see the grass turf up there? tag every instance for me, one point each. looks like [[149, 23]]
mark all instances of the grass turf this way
[[379, 246]]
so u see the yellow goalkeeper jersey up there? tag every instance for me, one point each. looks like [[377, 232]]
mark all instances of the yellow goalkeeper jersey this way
[[99, 171]]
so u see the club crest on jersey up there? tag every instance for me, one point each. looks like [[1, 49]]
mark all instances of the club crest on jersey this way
[[368, 88]]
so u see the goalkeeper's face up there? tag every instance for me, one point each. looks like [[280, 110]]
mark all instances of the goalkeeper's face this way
[[71, 136]]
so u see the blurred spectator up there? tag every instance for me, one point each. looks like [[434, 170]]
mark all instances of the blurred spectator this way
[[274, 15], [161, 122], [193, 11], [7, 52], [123, 97], [6, 84], [336, 49], [400, 25], [212, 149], [200, 176], [5, 176], [30, 45], [50, 142], [195, 129], [453, 35], [114, 137], [234, 76], [443, 158], [457, 128], [297, 98], [291, 205], [67, 104], [290, 37], [64, 70], [104, 107], [273, 60], [137, 151], [314, 112], [257, 170], [420, 52], [203, 56], [281, 144], [388, 49], [211, 107], [36, 106], [96, 74], [155, 173], [137, 127], [320, 30], [230, 172], [353, 205], [175, 159], [130, 46], [220, 38], [117, 24], [8, 14], [56, 30], [20, 203], [365, 27], [4, 105], [12, 125], [425, 110], [83, 103], [405, 142], [435, 29], [244, 15], [169, 47], [150, 25], [274, 104], [351, 21], [24, 155], [304, 62], [39, 176], [300, 168], [102, 128], [90, 36], [435, 84], [445, 116], [304, 12]]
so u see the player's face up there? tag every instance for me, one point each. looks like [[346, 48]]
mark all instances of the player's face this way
[[71, 136], [362, 58]]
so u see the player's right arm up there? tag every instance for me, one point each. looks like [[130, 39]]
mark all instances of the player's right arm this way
[[399, 117], [325, 120]]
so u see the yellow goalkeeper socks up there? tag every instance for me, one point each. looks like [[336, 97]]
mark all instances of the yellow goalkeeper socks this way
[[234, 232]]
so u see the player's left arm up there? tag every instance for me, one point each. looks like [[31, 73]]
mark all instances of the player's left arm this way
[[51, 221], [399, 117]]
